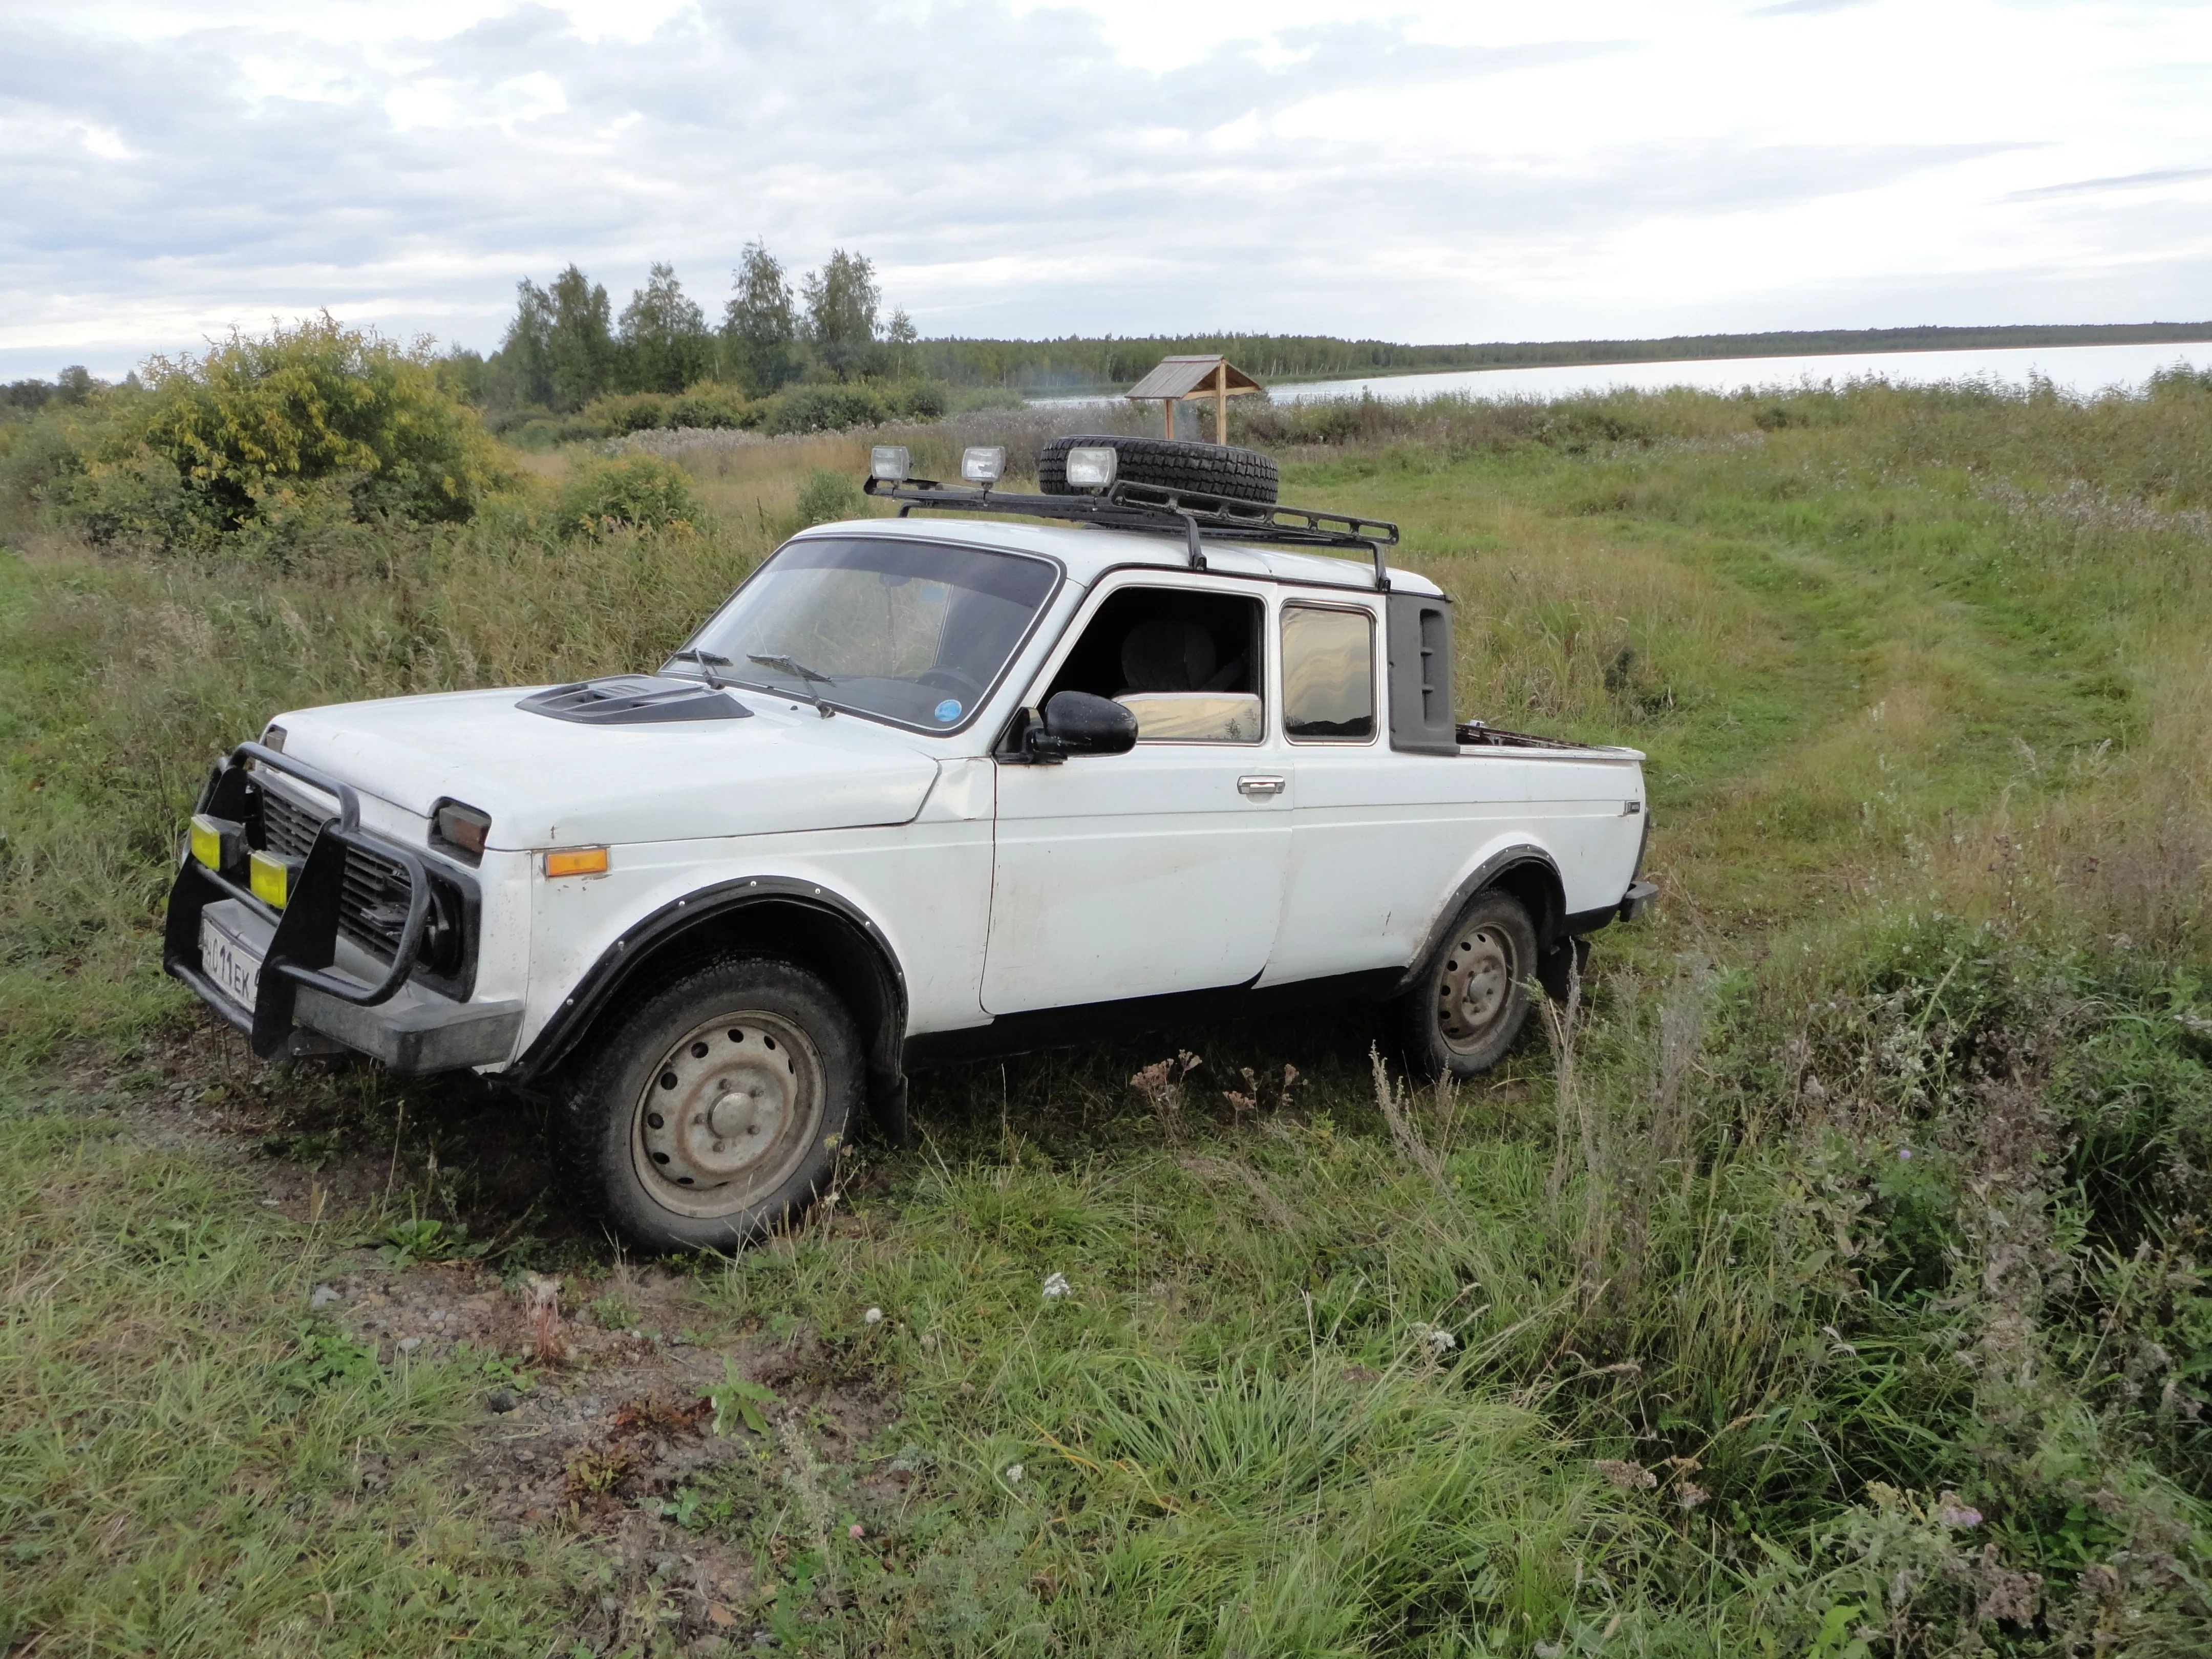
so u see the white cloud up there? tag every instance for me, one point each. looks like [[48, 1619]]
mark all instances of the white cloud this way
[[1420, 172]]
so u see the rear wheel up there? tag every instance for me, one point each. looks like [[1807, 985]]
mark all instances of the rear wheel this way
[[714, 1110], [1469, 1005]]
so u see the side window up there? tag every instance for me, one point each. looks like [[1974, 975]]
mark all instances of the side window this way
[[1185, 662], [1328, 675]]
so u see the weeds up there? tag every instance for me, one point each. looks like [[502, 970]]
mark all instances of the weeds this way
[[1828, 1275]]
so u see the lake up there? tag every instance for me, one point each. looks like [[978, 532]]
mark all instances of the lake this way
[[2080, 370]]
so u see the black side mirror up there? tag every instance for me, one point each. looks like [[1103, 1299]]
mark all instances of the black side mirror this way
[[1077, 723]]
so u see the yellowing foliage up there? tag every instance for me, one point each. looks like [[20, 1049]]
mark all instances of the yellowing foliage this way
[[308, 425]]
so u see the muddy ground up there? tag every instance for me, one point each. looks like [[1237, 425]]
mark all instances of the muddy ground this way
[[597, 1416]]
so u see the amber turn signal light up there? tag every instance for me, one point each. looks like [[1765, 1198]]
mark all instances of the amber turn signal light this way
[[577, 861]]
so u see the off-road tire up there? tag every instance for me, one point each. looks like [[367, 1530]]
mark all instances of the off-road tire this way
[[1470, 1002], [1244, 475], [768, 1067]]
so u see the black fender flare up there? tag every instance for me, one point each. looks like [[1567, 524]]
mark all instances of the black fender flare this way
[[1486, 874], [609, 978]]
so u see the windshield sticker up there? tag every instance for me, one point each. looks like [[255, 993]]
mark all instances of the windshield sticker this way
[[948, 711]]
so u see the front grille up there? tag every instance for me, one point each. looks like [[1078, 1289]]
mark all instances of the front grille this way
[[287, 829], [373, 909], [372, 898]]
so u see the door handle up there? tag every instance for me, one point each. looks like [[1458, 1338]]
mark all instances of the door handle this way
[[1259, 789]]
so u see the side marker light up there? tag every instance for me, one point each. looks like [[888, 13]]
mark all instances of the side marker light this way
[[577, 861]]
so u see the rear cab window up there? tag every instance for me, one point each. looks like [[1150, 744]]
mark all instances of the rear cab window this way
[[1328, 673]]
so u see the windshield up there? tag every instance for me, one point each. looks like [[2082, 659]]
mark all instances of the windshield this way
[[914, 632]]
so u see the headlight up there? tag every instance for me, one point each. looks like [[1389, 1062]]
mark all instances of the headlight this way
[[464, 828]]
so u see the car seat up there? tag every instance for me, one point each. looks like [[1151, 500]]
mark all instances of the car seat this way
[[1175, 653]]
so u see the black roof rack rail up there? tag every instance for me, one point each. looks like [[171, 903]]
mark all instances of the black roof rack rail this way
[[1153, 509]]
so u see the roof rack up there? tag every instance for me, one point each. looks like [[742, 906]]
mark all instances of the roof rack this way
[[1153, 509]]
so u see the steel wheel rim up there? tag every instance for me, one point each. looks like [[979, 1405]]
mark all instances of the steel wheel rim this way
[[1474, 991], [727, 1116]]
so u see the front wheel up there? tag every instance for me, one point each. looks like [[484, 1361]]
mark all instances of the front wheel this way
[[714, 1110], [1468, 1005]]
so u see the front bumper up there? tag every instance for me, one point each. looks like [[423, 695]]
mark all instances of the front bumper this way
[[316, 990]]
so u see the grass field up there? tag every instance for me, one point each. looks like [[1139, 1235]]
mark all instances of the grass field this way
[[1833, 1281]]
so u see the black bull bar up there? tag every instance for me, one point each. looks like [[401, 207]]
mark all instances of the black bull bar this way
[[304, 947]]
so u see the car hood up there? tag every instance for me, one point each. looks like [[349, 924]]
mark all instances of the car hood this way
[[550, 782]]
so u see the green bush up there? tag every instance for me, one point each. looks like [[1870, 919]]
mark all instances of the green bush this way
[[708, 405], [705, 404], [318, 424], [827, 496], [925, 400], [626, 412], [628, 492], [824, 409]]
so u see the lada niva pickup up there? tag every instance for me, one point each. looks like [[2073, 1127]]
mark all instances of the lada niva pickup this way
[[1002, 770]]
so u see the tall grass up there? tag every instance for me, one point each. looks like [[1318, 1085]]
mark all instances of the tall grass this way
[[1830, 1281]]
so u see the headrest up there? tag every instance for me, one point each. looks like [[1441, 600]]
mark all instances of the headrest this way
[[1168, 653]]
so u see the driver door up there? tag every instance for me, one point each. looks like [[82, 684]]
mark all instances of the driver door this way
[[1160, 870]]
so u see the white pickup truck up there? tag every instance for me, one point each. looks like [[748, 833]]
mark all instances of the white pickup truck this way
[[923, 788]]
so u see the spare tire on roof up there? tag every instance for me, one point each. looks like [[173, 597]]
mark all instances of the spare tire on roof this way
[[1244, 475]]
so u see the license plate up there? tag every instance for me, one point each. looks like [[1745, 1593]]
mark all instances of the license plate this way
[[236, 970]]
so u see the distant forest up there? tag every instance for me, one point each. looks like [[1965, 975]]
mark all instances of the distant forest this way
[[1111, 364], [567, 348]]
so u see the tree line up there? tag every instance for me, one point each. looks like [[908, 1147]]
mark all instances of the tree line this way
[[1079, 364], [565, 347]]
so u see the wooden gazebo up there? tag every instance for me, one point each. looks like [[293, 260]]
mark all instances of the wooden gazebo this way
[[1189, 380]]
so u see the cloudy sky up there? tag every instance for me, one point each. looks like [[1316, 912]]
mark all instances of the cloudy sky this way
[[1416, 170]]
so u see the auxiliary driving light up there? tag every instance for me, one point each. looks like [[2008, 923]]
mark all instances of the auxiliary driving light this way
[[887, 462], [1091, 469], [983, 464], [272, 877], [217, 843]]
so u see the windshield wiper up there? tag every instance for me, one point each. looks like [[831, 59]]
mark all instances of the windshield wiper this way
[[707, 660], [799, 671]]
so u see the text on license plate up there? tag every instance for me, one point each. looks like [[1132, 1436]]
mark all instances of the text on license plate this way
[[234, 970]]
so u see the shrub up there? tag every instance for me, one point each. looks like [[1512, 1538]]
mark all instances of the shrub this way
[[708, 405], [828, 497], [626, 412], [628, 491], [823, 409], [320, 419], [925, 400]]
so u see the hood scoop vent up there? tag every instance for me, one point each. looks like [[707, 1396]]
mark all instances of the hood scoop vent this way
[[633, 700]]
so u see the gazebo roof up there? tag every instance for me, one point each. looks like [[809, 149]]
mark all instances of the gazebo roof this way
[[1184, 377]]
